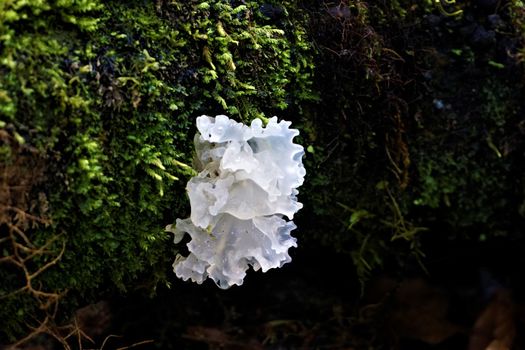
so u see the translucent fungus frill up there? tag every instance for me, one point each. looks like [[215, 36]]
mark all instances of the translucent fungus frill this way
[[246, 186]]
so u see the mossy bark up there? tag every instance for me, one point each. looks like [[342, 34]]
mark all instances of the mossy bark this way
[[412, 120]]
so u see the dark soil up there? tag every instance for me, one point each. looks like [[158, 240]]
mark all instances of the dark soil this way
[[470, 297]]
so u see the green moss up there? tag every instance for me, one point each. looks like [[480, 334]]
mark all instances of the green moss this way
[[108, 92], [417, 136], [411, 130], [472, 178]]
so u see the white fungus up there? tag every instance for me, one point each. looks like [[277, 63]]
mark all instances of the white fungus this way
[[246, 186]]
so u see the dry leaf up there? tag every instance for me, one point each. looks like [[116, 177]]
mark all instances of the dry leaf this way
[[421, 312], [495, 328]]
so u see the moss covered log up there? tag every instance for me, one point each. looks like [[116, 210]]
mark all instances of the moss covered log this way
[[419, 136], [105, 94], [411, 115]]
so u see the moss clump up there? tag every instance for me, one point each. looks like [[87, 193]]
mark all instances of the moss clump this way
[[359, 158], [418, 136], [412, 120], [107, 93]]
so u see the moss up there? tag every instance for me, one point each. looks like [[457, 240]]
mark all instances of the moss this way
[[411, 120], [470, 182], [415, 139], [359, 160], [108, 93]]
